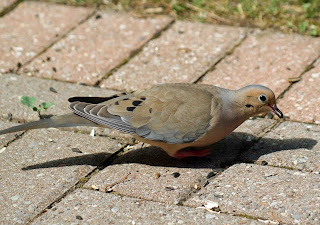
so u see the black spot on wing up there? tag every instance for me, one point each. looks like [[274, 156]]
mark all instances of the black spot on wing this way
[[143, 98], [136, 103], [130, 108]]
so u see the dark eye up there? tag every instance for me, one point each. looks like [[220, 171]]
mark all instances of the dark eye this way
[[263, 98]]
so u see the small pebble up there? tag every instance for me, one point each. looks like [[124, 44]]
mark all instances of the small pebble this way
[[94, 187], [53, 90], [169, 188], [176, 175], [109, 190], [79, 217], [3, 149], [158, 175], [264, 163], [197, 186], [211, 174], [93, 132], [10, 116], [77, 150]]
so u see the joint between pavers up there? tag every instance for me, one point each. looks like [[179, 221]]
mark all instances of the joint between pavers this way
[[307, 68], [132, 54], [265, 220], [229, 52], [11, 7], [17, 137], [53, 43]]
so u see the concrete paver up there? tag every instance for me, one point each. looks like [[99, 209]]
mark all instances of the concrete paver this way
[[182, 54], [96, 47], [266, 58], [39, 167], [90, 207], [33, 26], [301, 102], [276, 194], [156, 176], [297, 146]]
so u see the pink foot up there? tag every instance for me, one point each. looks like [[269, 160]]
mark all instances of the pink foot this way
[[193, 152]]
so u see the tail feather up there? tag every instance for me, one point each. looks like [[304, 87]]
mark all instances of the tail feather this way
[[67, 120]]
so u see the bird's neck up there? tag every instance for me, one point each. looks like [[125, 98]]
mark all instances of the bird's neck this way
[[233, 108]]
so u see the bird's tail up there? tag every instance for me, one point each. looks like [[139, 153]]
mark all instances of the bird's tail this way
[[67, 120]]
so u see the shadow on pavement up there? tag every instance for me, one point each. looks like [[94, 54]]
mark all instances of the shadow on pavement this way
[[88, 159], [224, 153]]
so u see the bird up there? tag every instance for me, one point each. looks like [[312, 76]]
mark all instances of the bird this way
[[180, 118]]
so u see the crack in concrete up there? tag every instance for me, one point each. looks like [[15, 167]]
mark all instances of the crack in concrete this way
[[307, 69]]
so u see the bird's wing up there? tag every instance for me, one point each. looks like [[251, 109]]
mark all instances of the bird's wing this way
[[172, 113]]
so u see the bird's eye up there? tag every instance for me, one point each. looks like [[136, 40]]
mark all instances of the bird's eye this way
[[263, 98]]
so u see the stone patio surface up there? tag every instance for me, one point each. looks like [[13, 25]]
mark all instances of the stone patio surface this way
[[266, 172]]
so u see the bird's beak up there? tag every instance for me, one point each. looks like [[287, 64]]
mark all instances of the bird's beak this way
[[276, 110]]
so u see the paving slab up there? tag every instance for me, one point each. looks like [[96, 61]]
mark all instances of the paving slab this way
[[301, 102], [90, 207], [153, 175], [181, 54], [4, 4], [95, 47], [33, 26], [297, 146], [276, 194], [39, 167], [266, 58]]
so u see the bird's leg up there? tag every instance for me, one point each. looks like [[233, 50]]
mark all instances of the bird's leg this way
[[188, 152]]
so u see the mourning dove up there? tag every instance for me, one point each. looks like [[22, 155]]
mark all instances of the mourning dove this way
[[171, 116]]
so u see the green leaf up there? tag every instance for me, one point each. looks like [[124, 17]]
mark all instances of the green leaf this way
[[314, 32], [47, 105], [34, 108], [303, 26], [28, 101]]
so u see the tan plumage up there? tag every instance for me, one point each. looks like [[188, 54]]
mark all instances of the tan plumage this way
[[171, 116]]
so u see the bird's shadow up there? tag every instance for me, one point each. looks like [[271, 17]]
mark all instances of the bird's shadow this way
[[228, 151]]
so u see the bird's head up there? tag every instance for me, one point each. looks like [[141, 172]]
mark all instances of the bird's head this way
[[256, 99]]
